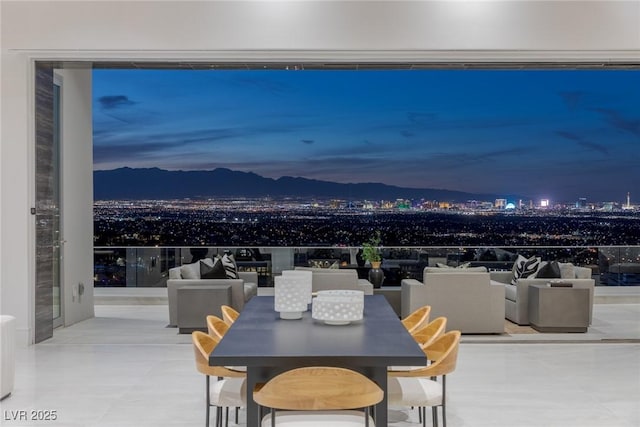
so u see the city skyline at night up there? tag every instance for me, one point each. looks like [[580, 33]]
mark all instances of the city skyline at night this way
[[561, 134]]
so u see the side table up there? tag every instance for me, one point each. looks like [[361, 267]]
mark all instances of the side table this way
[[196, 302], [558, 309]]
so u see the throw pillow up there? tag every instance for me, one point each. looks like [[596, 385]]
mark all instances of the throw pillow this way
[[215, 272], [567, 270], [190, 271], [174, 273], [463, 265], [550, 270], [582, 272], [524, 268], [209, 261], [230, 266]]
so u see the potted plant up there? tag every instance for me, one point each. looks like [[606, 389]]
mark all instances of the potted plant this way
[[371, 252]]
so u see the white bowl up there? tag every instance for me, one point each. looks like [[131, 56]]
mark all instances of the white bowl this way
[[338, 307]]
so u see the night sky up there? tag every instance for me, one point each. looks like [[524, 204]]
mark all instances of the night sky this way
[[559, 134]]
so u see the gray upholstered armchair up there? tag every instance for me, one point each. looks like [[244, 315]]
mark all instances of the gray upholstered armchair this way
[[470, 300], [242, 289], [333, 278]]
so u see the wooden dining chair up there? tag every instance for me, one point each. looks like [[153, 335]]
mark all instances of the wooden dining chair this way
[[216, 326], [229, 389], [419, 387], [430, 332], [229, 314], [424, 337], [314, 396], [417, 319]]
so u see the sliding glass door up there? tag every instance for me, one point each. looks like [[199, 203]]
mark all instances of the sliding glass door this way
[[56, 246], [48, 295]]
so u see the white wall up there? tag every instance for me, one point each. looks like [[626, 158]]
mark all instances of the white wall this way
[[326, 31], [322, 25], [77, 194], [16, 192]]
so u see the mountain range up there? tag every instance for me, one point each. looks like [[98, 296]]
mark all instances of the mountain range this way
[[154, 183]]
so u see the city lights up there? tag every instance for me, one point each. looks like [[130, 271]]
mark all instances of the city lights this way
[[337, 222]]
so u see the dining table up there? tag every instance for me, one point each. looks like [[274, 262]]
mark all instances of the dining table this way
[[268, 345]]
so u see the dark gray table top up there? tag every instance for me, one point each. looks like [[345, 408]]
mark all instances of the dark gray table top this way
[[260, 338]]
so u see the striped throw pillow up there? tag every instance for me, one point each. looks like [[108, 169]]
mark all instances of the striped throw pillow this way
[[230, 267], [524, 268]]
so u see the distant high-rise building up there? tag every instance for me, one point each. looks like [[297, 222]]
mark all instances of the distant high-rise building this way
[[628, 206], [581, 203], [544, 203], [403, 204], [500, 203]]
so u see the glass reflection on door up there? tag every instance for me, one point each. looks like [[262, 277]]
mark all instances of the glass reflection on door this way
[[55, 226]]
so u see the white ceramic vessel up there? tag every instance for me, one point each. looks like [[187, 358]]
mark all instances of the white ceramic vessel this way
[[338, 307], [291, 297]]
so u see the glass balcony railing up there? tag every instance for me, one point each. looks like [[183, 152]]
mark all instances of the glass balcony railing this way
[[149, 266]]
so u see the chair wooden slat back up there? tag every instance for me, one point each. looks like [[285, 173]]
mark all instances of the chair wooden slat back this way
[[443, 353], [318, 388], [417, 319], [203, 345], [430, 332], [229, 314], [216, 326]]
